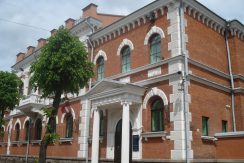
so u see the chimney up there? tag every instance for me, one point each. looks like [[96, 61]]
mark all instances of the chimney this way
[[41, 43], [53, 31], [30, 50], [20, 56], [69, 23], [90, 11]]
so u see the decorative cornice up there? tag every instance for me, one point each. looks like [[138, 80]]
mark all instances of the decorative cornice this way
[[129, 22], [208, 68], [209, 83]]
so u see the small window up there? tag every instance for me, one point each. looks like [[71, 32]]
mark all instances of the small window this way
[[17, 132], [155, 48], [205, 126], [224, 126], [69, 125], [101, 132], [21, 88], [27, 129], [157, 115], [1, 134], [100, 68], [135, 143], [125, 54], [52, 125], [38, 129]]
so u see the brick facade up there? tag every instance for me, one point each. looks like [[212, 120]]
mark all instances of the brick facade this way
[[208, 94]]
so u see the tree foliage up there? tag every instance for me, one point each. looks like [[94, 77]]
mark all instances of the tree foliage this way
[[62, 67], [9, 93]]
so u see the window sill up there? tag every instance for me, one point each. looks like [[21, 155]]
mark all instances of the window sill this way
[[100, 140], [161, 134], [33, 142], [208, 138], [3, 144], [15, 143], [65, 140]]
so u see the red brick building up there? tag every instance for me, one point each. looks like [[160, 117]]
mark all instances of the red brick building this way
[[169, 85]]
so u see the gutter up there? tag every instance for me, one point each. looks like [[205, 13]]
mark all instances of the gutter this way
[[227, 30]]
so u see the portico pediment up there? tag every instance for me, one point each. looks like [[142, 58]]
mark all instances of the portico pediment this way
[[109, 91]]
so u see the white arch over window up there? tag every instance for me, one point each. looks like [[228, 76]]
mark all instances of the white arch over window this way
[[64, 114], [3, 128], [9, 126], [152, 31], [26, 119], [47, 119], [124, 43], [100, 53], [17, 121], [155, 92]]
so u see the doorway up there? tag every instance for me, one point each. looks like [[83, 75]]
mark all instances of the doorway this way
[[118, 141]]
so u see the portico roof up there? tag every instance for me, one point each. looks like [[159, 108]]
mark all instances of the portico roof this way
[[111, 91]]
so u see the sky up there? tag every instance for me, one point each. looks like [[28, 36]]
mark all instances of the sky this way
[[45, 15]]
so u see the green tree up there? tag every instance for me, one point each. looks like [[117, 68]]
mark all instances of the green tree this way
[[62, 67], [9, 94]]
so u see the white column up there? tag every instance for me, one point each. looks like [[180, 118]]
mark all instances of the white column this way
[[95, 136], [125, 150]]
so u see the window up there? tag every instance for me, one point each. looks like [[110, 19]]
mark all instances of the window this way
[[21, 88], [17, 132], [100, 68], [27, 129], [38, 129], [101, 132], [125, 54], [205, 126], [69, 125], [52, 125], [224, 126], [157, 115], [155, 50], [1, 133]]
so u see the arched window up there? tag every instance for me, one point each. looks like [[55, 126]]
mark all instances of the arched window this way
[[27, 129], [38, 129], [125, 55], [17, 132], [157, 115], [52, 125], [69, 125], [100, 68], [155, 48]]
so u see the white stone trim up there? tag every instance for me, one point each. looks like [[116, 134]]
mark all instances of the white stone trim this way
[[17, 121], [9, 126], [3, 128], [26, 119], [100, 53], [64, 114], [155, 92], [125, 42], [152, 31]]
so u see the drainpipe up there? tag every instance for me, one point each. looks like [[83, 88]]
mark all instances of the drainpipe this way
[[90, 83], [227, 30], [184, 81]]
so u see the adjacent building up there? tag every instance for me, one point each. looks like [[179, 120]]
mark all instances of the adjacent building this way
[[168, 85]]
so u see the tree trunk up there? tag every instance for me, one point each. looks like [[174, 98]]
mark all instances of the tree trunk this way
[[43, 151], [44, 144]]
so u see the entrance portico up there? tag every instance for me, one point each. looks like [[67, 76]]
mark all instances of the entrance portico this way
[[110, 95]]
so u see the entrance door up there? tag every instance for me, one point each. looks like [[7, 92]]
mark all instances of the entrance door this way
[[117, 143]]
